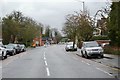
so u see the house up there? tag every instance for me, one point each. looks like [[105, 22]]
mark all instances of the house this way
[[101, 27], [46, 40], [42, 41]]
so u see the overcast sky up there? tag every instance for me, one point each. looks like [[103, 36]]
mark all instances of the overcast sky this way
[[49, 12]]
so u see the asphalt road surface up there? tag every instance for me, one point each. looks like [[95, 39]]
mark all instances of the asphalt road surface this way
[[54, 62]]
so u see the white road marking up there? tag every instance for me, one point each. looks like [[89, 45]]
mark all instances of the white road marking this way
[[104, 71], [48, 72], [44, 58], [105, 65], [85, 62], [47, 69], [46, 63]]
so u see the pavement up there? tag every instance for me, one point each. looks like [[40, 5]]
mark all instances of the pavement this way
[[108, 60], [54, 62]]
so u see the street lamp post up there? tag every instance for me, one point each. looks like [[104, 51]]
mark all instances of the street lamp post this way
[[83, 5]]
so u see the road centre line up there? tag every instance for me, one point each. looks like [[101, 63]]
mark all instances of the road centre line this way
[[44, 58], [46, 63], [47, 69], [104, 71], [48, 72]]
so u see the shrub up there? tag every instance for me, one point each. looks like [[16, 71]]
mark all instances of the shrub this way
[[111, 50], [100, 38]]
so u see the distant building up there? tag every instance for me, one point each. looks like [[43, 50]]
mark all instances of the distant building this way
[[42, 41]]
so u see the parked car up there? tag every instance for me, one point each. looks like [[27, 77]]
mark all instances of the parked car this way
[[91, 49], [10, 50], [3, 53], [69, 47], [23, 48], [17, 47]]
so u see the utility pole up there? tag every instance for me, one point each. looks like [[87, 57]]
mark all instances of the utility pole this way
[[83, 5]]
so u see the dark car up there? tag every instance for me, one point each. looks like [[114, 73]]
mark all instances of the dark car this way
[[16, 46]]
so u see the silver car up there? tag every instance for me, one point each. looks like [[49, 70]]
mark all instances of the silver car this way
[[91, 49], [22, 47]]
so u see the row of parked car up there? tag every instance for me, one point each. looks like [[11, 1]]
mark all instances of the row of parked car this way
[[88, 49], [11, 49]]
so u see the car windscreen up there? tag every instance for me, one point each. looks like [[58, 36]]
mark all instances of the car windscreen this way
[[12, 45], [91, 44], [9, 47], [22, 45], [70, 43]]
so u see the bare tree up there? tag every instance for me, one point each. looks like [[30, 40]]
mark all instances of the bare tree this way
[[78, 27]]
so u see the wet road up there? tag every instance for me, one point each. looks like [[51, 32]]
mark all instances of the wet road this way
[[54, 62]]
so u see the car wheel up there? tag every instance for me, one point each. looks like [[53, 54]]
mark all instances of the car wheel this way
[[102, 56], [82, 54], [86, 56], [15, 52], [67, 50], [75, 49], [11, 54], [4, 57]]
